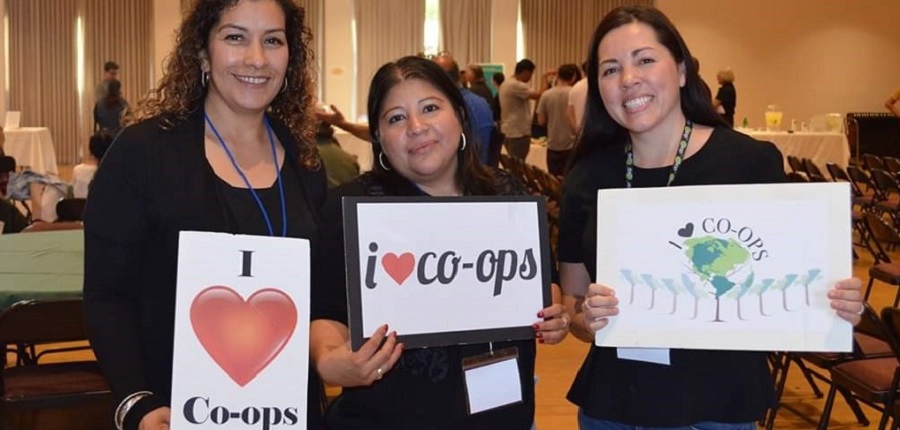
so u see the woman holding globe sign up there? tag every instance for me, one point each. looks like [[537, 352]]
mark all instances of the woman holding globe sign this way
[[649, 123]]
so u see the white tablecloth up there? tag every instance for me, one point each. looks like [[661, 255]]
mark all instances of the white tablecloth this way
[[822, 148], [32, 147], [356, 146]]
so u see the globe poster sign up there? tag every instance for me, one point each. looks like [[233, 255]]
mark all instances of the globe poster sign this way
[[726, 267]]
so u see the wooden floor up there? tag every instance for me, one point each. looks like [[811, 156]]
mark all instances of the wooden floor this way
[[557, 364]]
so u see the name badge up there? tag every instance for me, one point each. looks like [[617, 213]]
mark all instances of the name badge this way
[[492, 380]]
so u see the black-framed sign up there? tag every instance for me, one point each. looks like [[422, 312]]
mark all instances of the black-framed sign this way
[[446, 271]]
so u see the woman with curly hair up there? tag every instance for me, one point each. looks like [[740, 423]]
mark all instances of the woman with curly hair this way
[[223, 145]]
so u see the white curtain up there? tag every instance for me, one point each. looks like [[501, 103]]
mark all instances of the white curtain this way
[[558, 32], [466, 30], [385, 31], [44, 69]]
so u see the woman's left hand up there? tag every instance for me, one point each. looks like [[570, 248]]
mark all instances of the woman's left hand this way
[[555, 326], [847, 299]]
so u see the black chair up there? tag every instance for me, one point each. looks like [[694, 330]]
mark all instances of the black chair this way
[[871, 161], [795, 164], [882, 235], [31, 385], [811, 168], [797, 177], [70, 209]]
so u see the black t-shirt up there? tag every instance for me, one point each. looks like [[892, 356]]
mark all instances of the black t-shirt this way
[[699, 385], [426, 389]]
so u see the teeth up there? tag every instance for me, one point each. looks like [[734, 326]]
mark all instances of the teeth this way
[[252, 80], [637, 103]]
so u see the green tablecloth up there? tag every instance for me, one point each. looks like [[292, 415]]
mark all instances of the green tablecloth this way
[[41, 265]]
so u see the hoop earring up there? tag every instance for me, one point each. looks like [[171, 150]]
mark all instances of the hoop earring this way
[[381, 161], [284, 85], [463, 146], [204, 79]]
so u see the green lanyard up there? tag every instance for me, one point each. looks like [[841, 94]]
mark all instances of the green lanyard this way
[[679, 156]]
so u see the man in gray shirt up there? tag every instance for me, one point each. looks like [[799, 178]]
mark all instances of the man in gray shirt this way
[[515, 110], [551, 112]]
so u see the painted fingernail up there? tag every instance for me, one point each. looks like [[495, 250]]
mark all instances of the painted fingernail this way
[[541, 341], [536, 326], [541, 314], [539, 335]]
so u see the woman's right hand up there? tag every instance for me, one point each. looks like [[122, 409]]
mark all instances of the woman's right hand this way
[[157, 419], [345, 368], [600, 303]]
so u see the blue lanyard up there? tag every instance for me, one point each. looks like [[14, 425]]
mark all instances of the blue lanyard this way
[[259, 203]]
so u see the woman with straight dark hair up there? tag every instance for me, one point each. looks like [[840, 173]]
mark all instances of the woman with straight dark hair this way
[[650, 123], [419, 125]]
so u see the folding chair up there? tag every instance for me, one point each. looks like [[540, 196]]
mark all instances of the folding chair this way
[[32, 385], [882, 235]]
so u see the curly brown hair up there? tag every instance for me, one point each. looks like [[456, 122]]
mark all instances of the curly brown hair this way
[[179, 92]]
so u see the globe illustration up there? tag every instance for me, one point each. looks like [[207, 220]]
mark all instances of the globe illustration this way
[[716, 261]]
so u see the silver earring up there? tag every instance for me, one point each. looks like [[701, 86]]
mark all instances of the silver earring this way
[[204, 79], [381, 161], [463, 146], [284, 85]]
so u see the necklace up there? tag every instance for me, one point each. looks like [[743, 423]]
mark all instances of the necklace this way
[[679, 155], [240, 172]]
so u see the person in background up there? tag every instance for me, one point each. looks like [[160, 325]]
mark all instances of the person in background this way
[[478, 110], [224, 144], [516, 117], [110, 72], [891, 103], [577, 99], [110, 110], [497, 79], [385, 385], [551, 111], [2, 141], [649, 123], [726, 97], [83, 173], [474, 77], [340, 166]]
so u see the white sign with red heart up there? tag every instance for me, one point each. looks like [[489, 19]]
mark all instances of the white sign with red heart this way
[[241, 332]]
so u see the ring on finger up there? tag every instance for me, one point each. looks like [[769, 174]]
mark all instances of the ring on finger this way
[[380, 373], [862, 309]]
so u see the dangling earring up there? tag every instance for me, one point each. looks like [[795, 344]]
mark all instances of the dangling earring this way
[[204, 79], [381, 161], [463, 146], [284, 85]]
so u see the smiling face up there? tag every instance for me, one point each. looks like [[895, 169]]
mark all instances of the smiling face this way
[[247, 57], [420, 134], [639, 80]]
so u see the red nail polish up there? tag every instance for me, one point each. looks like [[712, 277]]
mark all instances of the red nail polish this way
[[541, 341], [541, 314], [539, 335], [536, 326]]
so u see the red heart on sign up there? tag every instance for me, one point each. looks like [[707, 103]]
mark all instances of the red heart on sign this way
[[400, 267], [243, 337]]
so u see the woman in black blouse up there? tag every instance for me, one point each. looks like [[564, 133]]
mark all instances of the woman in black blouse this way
[[649, 123], [418, 121], [726, 98], [224, 145]]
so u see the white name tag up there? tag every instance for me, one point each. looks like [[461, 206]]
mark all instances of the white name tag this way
[[650, 355], [493, 381]]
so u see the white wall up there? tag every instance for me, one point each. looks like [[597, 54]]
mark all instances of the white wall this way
[[338, 66], [810, 57], [166, 19]]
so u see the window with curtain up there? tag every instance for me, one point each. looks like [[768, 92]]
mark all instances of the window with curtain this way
[[466, 30], [56, 53], [385, 31], [558, 32]]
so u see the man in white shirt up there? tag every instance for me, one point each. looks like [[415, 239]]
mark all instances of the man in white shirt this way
[[515, 109], [551, 112]]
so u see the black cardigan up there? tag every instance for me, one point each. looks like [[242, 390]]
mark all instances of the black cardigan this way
[[152, 184]]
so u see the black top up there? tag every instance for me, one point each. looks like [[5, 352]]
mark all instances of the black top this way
[[722, 386], [727, 95], [425, 390], [152, 184]]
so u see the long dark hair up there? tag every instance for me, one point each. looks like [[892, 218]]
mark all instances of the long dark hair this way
[[472, 177], [180, 91], [113, 93], [600, 129]]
